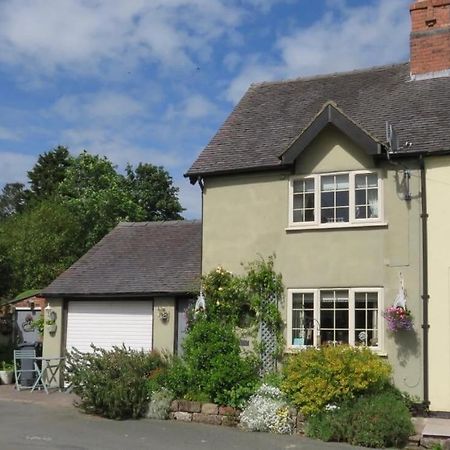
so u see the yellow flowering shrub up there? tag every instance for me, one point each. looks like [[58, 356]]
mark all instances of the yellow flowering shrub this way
[[315, 378]]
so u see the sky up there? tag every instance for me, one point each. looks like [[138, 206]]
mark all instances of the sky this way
[[152, 80]]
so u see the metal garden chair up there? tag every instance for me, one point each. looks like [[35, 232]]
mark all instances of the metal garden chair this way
[[21, 369]]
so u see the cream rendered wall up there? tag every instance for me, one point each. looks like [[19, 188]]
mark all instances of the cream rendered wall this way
[[53, 343], [164, 331], [245, 216], [438, 194]]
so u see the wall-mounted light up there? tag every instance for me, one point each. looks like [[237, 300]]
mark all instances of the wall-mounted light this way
[[163, 314], [50, 322]]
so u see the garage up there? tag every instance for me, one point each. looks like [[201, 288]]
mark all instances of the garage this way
[[109, 323]]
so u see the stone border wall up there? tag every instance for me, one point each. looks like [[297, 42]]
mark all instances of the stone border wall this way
[[210, 413]]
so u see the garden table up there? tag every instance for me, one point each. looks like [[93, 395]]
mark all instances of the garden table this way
[[48, 370]]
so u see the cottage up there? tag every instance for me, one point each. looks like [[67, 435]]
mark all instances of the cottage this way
[[345, 178]]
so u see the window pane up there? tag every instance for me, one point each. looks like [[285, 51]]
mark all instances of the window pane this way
[[309, 200], [327, 183], [298, 215], [298, 186], [326, 299], [361, 181], [309, 215], [342, 214], [298, 201], [342, 181], [372, 180], [342, 198], [327, 199], [301, 300], [326, 318], [372, 300], [360, 197], [303, 198], [372, 200], [309, 185], [327, 215], [341, 337], [341, 317], [360, 300], [366, 318]]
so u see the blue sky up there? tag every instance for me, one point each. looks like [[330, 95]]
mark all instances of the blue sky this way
[[152, 80]]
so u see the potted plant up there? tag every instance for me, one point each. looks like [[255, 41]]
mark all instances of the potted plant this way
[[398, 318], [6, 373]]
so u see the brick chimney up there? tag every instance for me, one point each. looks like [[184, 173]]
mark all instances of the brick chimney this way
[[430, 39]]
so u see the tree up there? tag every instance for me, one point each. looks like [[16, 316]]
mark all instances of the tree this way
[[152, 188], [49, 171], [39, 244], [97, 195], [13, 199]]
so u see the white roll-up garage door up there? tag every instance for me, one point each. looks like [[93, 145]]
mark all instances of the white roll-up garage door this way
[[109, 323]]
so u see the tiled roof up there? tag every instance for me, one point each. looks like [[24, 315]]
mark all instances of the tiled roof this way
[[271, 115], [136, 259]]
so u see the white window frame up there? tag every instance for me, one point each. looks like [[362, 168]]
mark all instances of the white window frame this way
[[351, 300], [353, 221]]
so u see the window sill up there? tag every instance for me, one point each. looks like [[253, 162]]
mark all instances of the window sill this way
[[294, 350], [345, 226]]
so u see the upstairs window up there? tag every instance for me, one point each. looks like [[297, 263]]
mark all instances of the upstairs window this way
[[335, 199]]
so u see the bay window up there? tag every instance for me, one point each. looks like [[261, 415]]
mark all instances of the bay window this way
[[335, 199], [334, 316]]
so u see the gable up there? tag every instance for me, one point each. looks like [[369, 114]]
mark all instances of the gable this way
[[332, 151]]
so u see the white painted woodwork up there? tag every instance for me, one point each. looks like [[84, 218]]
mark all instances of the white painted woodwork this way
[[109, 323]]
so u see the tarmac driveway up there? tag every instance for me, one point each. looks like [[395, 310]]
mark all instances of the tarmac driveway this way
[[25, 426]]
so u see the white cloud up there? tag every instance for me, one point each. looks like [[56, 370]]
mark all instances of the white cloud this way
[[193, 107], [120, 149], [345, 38], [15, 166], [98, 106], [83, 36]]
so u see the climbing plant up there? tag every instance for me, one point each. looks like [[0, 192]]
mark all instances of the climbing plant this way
[[247, 300]]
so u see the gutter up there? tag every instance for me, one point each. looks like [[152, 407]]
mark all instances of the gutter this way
[[425, 293]]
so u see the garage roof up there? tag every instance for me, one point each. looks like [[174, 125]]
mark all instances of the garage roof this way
[[139, 259]]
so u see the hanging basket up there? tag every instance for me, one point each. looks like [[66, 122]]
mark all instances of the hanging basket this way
[[398, 318]]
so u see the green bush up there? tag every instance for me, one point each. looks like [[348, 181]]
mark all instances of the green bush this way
[[377, 420], [159, 405], [112, 383], [214, 365], [317, 377]]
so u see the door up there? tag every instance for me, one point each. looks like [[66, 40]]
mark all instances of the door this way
[[182, 307], [108, 323], [24, 329]]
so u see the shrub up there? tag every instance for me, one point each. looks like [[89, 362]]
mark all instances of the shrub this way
[[159, 405], [267, 410], [112, 383], [378, 420], [317, 377], [214, 365]]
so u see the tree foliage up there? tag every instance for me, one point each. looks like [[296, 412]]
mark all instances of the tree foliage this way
[[13, 199], [48, 172], [39, 244], [72, 203]]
